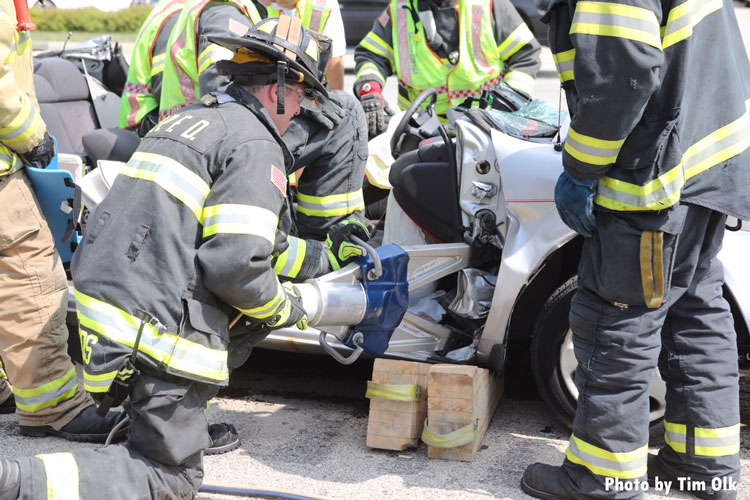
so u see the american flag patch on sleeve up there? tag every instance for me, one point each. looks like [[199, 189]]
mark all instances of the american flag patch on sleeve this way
[[278, 178]]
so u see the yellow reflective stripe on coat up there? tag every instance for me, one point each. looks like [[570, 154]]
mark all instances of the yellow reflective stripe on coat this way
[[62, 476], [616, 20], [47, 395], [211, 54], [231, 218], [269, 308], [719, 442], [591, 150], [157, 63], [683, 18], [377, 45], [98, 383], [664, 191], [2, 370], [174, 351], [521, 81], [624, 465], [370, 69], [515, 41], [26, 123], [290, 261], [332, 205], [565, 61], [172, 176]]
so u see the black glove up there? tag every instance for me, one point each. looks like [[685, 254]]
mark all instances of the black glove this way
[[376, 108], [326, 112], [504, 98], [338, 241], [291, 311], [42, 154]]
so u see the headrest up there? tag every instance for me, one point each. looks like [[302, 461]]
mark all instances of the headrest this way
[[57, 79]]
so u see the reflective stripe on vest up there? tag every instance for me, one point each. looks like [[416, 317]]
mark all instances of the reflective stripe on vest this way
[[181, 71], [313, 13], [290, 261], [718, 442], [62, 476], [479, 60], [664, 191], [47, 395], [623, 465], [330, 206], [178, 353]]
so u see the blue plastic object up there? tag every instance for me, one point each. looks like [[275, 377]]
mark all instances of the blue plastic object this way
[[387, 299], [54, 188]]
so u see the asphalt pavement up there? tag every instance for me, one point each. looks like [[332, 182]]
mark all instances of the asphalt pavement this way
[[303, 423]]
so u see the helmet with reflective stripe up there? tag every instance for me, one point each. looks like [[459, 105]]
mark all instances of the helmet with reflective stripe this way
[[276, 50]]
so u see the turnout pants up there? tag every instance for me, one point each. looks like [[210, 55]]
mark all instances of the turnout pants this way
[[650, 293], [334, 159], [163, 457], [33, 300]]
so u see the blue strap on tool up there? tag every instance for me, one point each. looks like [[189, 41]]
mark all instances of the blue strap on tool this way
[[55, 192]]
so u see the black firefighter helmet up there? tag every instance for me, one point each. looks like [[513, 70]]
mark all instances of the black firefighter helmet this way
[[276, 50]]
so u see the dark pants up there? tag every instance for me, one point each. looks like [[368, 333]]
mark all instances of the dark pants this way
[[334, 161], [650, 293], [163, 457]]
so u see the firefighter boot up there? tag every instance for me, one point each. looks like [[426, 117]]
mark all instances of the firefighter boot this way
[[658, 470], [548, 483], [10, 479], [87, 426], [224, 438]]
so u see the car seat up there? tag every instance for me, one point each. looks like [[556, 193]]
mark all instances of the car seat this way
[[69, 113]]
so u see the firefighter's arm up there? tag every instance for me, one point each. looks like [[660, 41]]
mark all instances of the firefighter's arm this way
[[21, 126], [220, 20], [518, 48], [240, 219], [373, 57], [616, 70]]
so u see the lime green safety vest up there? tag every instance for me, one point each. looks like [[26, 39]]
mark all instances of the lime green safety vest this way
[[313, 13], [137, 97], [419, 68], [183, 64]]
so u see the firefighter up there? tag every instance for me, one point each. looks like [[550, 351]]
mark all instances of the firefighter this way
[[329, 141], [323, 16], [182, 243], [139, 105], [459, 47], [655, 159], [45, 392]]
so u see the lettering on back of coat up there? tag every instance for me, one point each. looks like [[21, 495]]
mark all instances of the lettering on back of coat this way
[[185, 125]]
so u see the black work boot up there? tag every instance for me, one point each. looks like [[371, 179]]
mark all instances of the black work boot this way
[[10, 479], [224, 438], [548, 482], [87, 426], [659, 471], [8, 406]]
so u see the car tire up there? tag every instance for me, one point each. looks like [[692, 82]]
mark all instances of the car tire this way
[[553, 360]]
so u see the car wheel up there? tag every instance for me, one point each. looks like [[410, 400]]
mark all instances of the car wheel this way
[[554, 363]]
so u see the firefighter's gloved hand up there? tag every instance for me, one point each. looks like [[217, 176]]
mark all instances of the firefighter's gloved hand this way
[[377, 111], [291, 311], [574, 199], [42, 154], [326, 112], [340, 246], [505, 98]]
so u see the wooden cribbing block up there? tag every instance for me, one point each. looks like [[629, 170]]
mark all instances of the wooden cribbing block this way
[[397, 409], [459, 409]]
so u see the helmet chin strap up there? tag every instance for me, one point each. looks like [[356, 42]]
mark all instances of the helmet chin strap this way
[[281, 87]]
